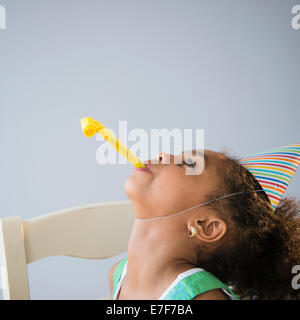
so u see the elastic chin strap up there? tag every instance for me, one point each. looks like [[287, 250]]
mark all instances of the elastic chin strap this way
[[198, 205]]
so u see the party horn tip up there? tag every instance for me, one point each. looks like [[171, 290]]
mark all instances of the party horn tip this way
[[90, 126]]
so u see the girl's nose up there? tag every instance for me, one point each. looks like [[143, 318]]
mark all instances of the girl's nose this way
[[162, 158], [165, 158]]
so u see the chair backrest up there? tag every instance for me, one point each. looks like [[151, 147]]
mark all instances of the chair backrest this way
[[95, 231]]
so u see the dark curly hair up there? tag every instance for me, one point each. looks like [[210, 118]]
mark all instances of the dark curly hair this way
[[261, 246]]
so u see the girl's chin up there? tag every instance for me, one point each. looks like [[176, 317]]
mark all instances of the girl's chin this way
[[134, 188]]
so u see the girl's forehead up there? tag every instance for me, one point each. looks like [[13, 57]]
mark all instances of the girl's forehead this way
[[214, 161]]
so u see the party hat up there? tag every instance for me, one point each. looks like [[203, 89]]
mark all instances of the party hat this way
[[274, 169]]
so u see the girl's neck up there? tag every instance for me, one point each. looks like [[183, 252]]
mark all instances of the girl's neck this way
[[157, 252]]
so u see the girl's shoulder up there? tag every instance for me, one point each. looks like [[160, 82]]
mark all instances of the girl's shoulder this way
[[195, 282], [187, 286]]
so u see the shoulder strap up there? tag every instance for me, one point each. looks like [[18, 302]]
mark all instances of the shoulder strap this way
[[118, 273], [194, 284]]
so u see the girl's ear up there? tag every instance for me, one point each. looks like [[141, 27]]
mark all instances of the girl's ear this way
[[209, 229]]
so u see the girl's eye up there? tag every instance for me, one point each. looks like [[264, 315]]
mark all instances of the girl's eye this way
[[190, 163]]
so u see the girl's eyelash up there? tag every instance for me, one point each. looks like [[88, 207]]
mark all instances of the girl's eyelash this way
[[190, 163]]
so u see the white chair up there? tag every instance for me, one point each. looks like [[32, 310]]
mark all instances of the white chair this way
[[83, 232]]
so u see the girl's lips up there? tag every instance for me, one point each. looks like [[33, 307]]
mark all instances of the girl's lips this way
[[146, 169]]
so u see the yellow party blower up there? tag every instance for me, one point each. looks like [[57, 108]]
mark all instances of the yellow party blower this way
[[90, 127]]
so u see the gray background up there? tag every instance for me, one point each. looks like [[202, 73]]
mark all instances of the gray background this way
[[230, 67]]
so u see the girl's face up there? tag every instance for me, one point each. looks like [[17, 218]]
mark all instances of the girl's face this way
[[167, 188]]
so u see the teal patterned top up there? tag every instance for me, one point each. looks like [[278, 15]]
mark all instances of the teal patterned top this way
[[186, 286]]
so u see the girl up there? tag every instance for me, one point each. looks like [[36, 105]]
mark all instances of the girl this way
[[237, 241]]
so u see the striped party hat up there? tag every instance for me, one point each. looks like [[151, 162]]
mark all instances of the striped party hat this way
[[274, 169]]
